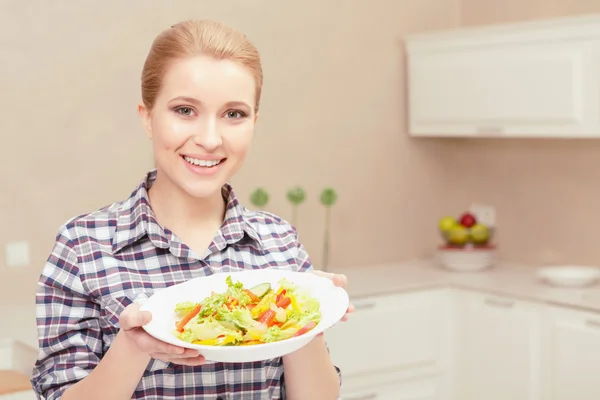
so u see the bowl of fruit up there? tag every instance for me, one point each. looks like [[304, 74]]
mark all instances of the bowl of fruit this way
[[467, 244]]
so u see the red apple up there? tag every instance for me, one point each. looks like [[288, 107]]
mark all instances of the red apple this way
[[467, 220]]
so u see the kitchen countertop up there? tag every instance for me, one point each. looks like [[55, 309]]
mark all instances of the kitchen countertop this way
[[514, 280], [13, 382]]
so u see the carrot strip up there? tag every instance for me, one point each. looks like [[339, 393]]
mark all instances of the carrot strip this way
[[253, 297], [284, 302], [186, 318], [267, 318]]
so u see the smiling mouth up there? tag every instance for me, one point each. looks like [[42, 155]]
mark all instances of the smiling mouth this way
[[202, 163]]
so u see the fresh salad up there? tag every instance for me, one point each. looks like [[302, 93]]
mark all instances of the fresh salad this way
[[243, 316]]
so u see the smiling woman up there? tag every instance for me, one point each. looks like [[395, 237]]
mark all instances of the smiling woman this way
[[201, 86]]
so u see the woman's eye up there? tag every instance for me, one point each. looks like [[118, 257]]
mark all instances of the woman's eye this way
[[235, 114], [187, 111]]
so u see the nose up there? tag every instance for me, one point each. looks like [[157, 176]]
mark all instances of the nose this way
[[208, 135]]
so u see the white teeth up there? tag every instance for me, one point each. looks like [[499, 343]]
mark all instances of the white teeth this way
[[201, 163]]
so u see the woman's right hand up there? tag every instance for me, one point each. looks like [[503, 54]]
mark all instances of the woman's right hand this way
[[132, 320]]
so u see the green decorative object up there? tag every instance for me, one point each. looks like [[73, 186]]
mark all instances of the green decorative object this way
[[259, 198], [328, 199], [296, 196]]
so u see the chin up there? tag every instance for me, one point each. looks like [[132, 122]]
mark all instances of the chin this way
[[203, 190]]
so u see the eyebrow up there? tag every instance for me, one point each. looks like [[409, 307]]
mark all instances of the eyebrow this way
[[187, 99], [198, 102]]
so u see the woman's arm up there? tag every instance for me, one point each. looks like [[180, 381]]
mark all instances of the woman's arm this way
[[122, 367], [125, 362], [72, 360], [310, 374]]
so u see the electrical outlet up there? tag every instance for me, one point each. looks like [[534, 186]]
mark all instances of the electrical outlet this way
[[17, 254], [484, 214]]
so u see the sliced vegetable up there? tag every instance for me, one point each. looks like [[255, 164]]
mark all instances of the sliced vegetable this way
[[267, 318], [261, 289], [244, 317], [254, 297], [284, 302], [305, 328], [187, 317], [221, 340]]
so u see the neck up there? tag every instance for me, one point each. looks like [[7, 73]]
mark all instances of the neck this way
[[177, 210]]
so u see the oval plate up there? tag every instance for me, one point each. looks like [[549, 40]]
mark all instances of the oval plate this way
[[333, 300]]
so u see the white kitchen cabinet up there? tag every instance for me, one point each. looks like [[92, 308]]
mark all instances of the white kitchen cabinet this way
[[528, 79], [460, 344], [23, 395], [499, 348], [16, 361], [400, 337], [418, 390], [571, 355]]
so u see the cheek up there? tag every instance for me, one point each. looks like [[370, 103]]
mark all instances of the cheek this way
[[238, 141], [169, 133]]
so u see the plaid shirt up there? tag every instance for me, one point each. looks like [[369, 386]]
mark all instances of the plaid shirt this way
[[105, 260]]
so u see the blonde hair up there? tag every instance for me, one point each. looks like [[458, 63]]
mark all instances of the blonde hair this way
[[195, 38]]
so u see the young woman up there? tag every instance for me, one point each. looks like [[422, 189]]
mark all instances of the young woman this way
[[201, 86]]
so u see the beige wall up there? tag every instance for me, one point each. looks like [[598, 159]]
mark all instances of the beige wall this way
[[334, 95], [480, 12], [547, 192]]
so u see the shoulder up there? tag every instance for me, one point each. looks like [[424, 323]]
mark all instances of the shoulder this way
[[278, 238], [267, 223], [97, 224]]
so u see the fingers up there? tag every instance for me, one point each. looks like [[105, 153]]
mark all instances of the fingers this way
[[132, 317], [188, 353], [190, 361], [338, 279], [150, 345], [322, 274]]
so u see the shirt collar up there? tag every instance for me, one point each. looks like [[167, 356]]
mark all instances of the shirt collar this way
[[135, 219]]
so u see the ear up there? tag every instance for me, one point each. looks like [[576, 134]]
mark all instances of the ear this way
[[144, 114]]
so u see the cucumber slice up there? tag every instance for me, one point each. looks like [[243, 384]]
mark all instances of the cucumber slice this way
[[261, 289]]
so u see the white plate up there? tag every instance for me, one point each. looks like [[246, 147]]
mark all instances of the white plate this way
[[569, 275], [333, 300]]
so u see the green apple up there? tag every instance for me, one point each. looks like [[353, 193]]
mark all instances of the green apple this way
[[458, 235], [480, 234], [447, 223]]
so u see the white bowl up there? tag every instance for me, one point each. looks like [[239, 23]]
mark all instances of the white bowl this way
[[466, 259], [333, 301], [569, 275]]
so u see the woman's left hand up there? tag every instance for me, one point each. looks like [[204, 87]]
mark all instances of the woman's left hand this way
[[338, 280]]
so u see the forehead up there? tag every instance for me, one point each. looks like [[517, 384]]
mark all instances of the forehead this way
[[209, 80]]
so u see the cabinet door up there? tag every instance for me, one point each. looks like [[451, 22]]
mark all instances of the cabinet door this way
[[499, 348], [387, 334], [418, 390], [519, 89], [24, 395], [571, 355]]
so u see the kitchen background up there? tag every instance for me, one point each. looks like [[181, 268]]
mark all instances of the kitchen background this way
[[333, 114]]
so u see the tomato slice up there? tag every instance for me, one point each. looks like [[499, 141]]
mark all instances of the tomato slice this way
[[305, 329]]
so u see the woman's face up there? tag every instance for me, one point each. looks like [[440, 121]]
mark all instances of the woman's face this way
[[202, 123]]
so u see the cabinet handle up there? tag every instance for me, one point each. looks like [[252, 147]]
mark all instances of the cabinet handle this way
[[370, 396], [364, 306], [592, 323], [499, 303]]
